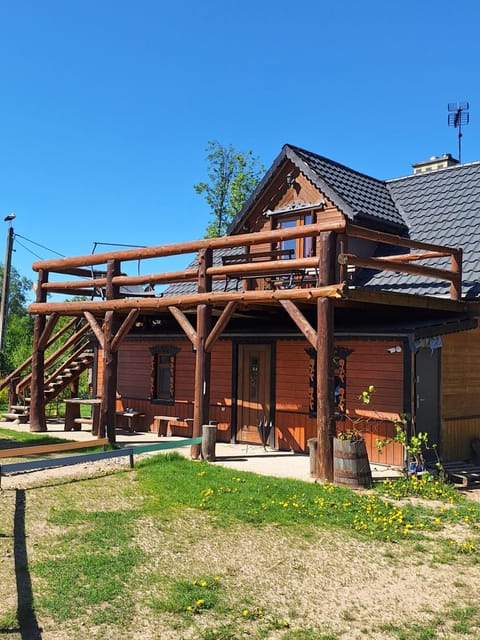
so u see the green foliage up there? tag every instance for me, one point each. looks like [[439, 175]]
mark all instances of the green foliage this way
[[192, 597], [19, 329], [426, 486], [367, 395], [232, 177]]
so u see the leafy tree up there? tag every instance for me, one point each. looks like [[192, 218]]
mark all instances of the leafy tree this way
[[233, 175], [19, 330]]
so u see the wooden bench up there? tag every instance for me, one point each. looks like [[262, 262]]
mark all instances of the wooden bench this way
[[182, 427], [160, 424], [281, 277]]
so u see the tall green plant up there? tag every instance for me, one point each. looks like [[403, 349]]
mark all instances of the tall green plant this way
[[19, 330], [232, 177]]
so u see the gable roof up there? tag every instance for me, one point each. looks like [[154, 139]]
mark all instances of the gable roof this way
[[436, 207], [360, 197]]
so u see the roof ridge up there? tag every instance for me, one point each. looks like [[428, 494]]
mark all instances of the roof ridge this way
[[338, 164], [456, 167]]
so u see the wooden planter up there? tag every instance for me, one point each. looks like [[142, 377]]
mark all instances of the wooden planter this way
[[350, 463]]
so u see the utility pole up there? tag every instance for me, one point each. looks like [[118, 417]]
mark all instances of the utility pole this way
[[6, 280]]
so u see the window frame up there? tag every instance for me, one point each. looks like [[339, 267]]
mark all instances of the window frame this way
[[169, 353]]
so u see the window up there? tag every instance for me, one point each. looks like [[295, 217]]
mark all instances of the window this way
[[303, 247], [163, 373]]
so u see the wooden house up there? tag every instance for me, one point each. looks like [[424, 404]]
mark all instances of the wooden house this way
[[327, 282]]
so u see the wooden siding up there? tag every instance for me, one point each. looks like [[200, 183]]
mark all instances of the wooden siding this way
[[293, 425], [306, 193], [457, 434], [369, 364], [221, 389], [460, 400], [135, 383], [460, 374]]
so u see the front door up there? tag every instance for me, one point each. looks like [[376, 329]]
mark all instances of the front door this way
[[253, 390], [427, 418]]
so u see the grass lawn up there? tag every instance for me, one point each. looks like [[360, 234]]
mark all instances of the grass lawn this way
[[177, 549]]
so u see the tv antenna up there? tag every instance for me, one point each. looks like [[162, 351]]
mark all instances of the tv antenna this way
[[457, 116]]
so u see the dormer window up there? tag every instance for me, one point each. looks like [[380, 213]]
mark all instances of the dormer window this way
[[303, 247]]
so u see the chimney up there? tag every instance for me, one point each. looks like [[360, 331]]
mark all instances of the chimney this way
[[434, 163]]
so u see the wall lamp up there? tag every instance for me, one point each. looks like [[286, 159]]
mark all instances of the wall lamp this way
[[396, 349]]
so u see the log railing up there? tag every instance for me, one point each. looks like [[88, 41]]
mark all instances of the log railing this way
[[403, 262]]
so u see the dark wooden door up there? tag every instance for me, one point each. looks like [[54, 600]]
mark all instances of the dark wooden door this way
[[427, 417], [254, 390]]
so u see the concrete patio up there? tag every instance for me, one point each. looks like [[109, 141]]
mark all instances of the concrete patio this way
[[253, 458]]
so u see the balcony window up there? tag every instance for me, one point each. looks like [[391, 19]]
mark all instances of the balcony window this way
[[303, 247]]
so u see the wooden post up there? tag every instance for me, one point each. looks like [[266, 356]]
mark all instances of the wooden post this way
[[209, 439], [37, 395], [110, 360], [456, 266], [325, 376], [325, 366], [12, 391], [202, 376], [202, 357]]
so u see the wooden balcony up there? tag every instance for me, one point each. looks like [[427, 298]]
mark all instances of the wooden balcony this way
[[262, 275]]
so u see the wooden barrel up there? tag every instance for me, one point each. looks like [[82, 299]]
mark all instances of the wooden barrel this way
[[350, 463]]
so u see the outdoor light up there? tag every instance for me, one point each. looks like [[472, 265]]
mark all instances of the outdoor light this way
[[396, 349]]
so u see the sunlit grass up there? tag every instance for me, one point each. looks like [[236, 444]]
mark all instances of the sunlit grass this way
[[173, 482]]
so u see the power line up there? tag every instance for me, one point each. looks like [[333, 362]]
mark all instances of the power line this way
[[17, 235]]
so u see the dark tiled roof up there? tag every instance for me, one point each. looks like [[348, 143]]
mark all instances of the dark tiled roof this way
[[185, 288], [440, 207], [360, 197], [437, 207]]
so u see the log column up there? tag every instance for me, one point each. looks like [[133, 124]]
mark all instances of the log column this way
[[325, 366], [202, 356], [110, 359], [37, 394]]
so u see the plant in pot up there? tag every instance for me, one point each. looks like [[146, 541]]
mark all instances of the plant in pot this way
[[416, 447], [350, 459]]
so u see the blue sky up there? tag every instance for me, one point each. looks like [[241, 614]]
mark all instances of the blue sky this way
[[108, 105]]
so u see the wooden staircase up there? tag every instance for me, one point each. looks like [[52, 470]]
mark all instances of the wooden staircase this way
[[63, 369]]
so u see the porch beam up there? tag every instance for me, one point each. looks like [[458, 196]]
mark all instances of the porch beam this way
[[124, 329], [220, 325], [47, 332], [302, 323], [214, 297], [185, 324], [95, 327]]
